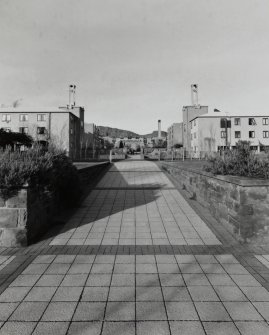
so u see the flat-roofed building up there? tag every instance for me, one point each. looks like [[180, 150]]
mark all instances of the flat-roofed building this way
[[212, 132], [175, 135], [62, 126], [189, 113]]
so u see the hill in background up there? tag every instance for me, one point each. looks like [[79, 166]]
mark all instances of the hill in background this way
[[115, 132]]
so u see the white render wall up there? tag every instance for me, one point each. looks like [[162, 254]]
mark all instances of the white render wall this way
[[206, 132], [174, 135], [62, 126]]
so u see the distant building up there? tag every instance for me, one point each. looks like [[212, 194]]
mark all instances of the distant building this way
[[189, 113], [175, 135], [217, 131], [132, 143], [92, 141], [63, 126]]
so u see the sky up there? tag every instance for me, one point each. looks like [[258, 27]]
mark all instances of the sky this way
[[133, 61]]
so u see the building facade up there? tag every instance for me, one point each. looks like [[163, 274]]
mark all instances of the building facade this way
[[215, 132], [189, 113], [91, 144], [63, 126], [175, 135]]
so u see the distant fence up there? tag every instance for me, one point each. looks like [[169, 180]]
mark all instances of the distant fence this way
[[103, 155], [179, 154]]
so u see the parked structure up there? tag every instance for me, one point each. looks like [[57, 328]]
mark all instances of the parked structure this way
[[64, 126], [217, 131], [175, 135]]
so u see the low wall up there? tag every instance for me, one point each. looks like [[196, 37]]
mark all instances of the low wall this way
[[25, 216], [240, 204], [114, 157], [28, 214]]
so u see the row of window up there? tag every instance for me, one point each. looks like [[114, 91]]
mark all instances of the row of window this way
[[23, 117], [25, 130], [251, 121], [251, 134], [226, 123], [39, 130]]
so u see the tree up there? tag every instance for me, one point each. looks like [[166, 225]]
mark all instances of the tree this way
[[108, 145], [12, 139], [121, 145]]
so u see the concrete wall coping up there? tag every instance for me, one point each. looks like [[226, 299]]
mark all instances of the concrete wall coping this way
[[236, 180], [89, 165]]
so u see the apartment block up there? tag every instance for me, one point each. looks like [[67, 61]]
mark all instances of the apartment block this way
[[91, 141], [62, 126], [217, 131], [188, 114], [175, 135]]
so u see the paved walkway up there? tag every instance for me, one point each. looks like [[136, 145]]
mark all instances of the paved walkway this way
[[135, 204], [135, 258]]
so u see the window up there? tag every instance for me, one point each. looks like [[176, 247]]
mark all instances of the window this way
[[223, 134], [191, 124], [41, 130], [251, 121], [237, 121], [23, 130], [71, 131], [237, 134], [251, 134], [194, 135], [6, 117], [225, 123], [265, 134], [41, 117], [265, 121], [23, 117]]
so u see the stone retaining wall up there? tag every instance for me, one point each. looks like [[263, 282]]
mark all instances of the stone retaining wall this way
[[241, 204], [28, 214]]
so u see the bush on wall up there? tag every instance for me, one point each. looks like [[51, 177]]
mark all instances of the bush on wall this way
[[47, 169], [241, 161]]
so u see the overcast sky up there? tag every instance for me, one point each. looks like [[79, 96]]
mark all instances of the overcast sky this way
[[133, 61]]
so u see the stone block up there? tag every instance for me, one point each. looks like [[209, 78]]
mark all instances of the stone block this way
[[13, 237], [8, 217], [19, 200], [22, 217]]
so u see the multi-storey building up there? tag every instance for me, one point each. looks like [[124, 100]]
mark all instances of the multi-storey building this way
[[62, 126], [92, 141], [189, 113], [175, 135], [217, 131]]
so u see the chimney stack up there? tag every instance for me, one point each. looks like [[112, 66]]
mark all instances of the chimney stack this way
[[159, 129], [194, 95], [72, 96]]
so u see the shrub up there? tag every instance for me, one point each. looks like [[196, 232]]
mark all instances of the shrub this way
[[12, 139], [241, 161], [46, 169]]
